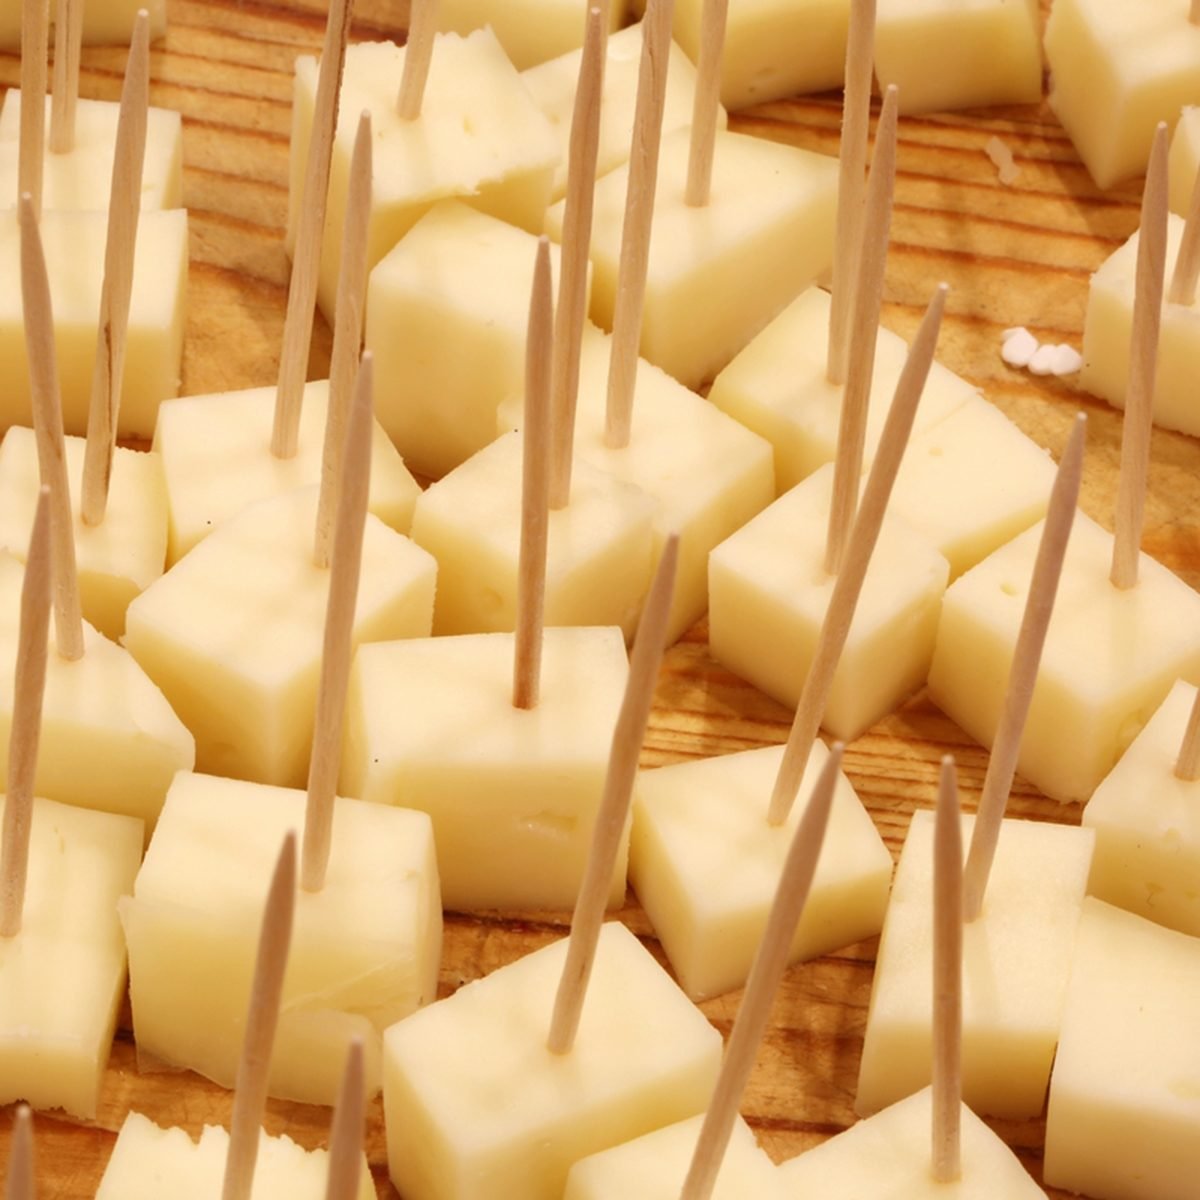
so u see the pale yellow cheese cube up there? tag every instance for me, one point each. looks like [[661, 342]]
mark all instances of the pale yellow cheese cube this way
[[768, 592], [1184, 159], [74, 249], [62, 977], [1016, 958], [718, 273], [706, 864], [108, 23], [479, 137], [364, 952], [81, 178], [1124, 1116], [599, 546], [233, 632], [887, 1157], [1109, 658], [217, 460], [1116, 70], [985, 51], [149, 1162], [477, 1108], [1109, 324], [1147, 824], [531, 31], [777, 387], [514, 804]]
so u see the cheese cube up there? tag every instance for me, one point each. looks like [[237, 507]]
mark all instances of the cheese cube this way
[[110, 23], [365, 948], [1116, 70], [514, 805], [598, 553], [1147, 824], [1109, 658], [233, 632], [74, 248], [479, 137], [719, 273], [1107, 330], [217, 460], [777, 387], [148, 1162], [887, 1157], [447, 312], [768, 593], [1016, 958], [1184, 159], [81, 178], [1124, 1116], [553, 84], [986, 51], [705, 865], [62, 977], [461, 1128]]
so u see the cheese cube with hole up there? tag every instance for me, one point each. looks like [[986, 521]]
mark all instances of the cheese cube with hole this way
[[74, 249], [479, 137], [718, 273], [768, 592], [107, 24], [217, 461], [1016, 959], [1184, 160], [1123, 1121], [515, 803], [1147, 824], [233, 632], [62, 977], [458, 1128], [1109, 658], [705, 865], [364, 952], [777, 387]]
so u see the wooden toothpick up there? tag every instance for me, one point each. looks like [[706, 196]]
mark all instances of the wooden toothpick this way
[[35, 50], [346, 1132], [706, 103], [418, 53], [68, 45], [844, 597], [310, 230], [1187, 264], [770, 962], [266, 991], [864, 329], [639, 214], [1187, 765], [577, 235], [1194, 12], [627, 739], [25, 731], [535, 489], [1027, 654], [1143, 366], [19, 1185], [338, 647], [124, 209]]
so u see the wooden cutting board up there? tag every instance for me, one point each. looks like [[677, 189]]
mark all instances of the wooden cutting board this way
[[1012, 255]]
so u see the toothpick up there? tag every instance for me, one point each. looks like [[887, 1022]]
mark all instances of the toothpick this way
[[868, 299], [68, 44], [535, 513], [418, 51], [347, 338], [306, 256], [1143, 364], [639, 214], [770, 962], [48, 431], [346, 1133], [844, 598], [124, 208], [947, 978], [35, 50], [1194, 12], [29, 684], [1187, 766], [577, 235], [20, 1163], [1187, 264], [250, 1094], [1027, 654], [338, 649], [852, 176], [706, 103], [627, 739]]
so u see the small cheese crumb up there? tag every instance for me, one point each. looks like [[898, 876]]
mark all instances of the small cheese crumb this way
[[1042, 363], [1020, 346], [1067, 360], [1006, 169]]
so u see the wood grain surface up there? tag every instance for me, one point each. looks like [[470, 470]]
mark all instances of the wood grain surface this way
[[1012, 255]]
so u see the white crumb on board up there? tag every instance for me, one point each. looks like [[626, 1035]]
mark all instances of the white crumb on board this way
[[1002, 157], [1021, 349]]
